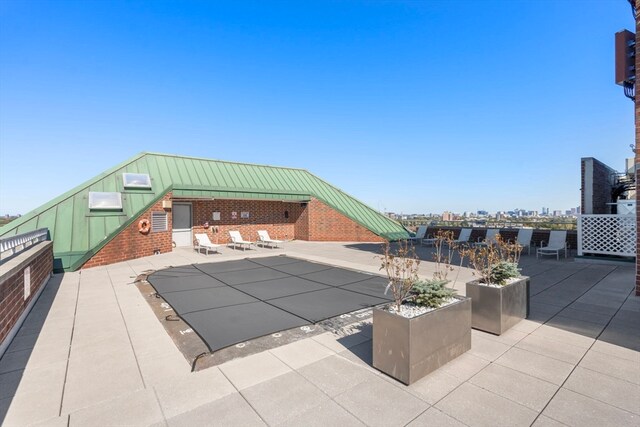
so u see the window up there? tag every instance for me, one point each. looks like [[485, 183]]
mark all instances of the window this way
[[158, 221], [136, 180], [99, 200]]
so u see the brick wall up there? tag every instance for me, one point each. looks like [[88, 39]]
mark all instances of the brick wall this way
[[131, 244], [302, 225], [12, 303], [600, 188], [283, 220], [278, 218], [313, 221], [326, 224]]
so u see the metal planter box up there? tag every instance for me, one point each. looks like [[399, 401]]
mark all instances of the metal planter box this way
[[496, 309], [409, 349]]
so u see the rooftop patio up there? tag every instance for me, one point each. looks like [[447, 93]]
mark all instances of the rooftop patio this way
[[92, 352]]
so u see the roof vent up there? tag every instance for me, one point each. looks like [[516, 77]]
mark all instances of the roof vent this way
[[136, 180]]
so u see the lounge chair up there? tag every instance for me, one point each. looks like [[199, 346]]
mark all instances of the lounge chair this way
[[489, 238], [557, 243], [524, 238], [203, 242], [420, 234], [264, 239], [463, 237], [429, 240], [237, 240]]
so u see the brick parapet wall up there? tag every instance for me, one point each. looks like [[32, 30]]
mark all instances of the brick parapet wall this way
[[131, 244], [39, 258], [511, 234]]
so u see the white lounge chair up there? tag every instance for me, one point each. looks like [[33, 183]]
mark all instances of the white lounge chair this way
[[237, 240], [264, 239], [203, 242], [489, 238], [557, 243], [463, 237], [420, 234], [524, 238]]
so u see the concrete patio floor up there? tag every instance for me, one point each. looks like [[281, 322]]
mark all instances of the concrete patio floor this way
[[93, 353]]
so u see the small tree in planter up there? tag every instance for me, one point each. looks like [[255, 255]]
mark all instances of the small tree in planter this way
[[426, 326], [500, 294], [401, 266]]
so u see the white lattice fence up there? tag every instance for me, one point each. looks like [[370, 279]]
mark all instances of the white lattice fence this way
[[607, 234]]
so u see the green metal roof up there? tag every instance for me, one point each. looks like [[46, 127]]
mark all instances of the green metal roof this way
[[79, 233]]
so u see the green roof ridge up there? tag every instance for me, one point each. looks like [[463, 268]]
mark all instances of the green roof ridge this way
[[178, 156]]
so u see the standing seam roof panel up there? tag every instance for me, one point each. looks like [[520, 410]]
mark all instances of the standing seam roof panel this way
[[78, 233]]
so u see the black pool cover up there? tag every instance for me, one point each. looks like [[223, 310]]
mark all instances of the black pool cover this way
[[230, 302]]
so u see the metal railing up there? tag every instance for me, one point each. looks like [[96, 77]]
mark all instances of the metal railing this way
[[10, 246], [607, 235]]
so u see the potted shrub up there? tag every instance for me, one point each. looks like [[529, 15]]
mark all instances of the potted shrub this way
[[500, 295], [427, 324]]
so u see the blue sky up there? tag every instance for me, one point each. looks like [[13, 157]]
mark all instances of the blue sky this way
[[409, 106]]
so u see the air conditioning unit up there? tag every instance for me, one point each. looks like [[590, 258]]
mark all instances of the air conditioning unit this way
[[626, 207], [167, 204]]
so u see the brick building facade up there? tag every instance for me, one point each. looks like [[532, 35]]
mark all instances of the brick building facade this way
[[310, 221], [131, 244]]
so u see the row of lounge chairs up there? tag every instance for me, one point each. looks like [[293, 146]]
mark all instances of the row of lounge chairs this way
[[557, 240], [202, 241]]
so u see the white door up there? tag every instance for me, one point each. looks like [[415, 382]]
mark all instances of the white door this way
[[182, 224]]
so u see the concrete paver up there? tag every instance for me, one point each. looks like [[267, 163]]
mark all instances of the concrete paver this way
[[534, 364], [138, 408], [434, 386], [524, 389], [230, 410], [120, 363], [254, 369], [187, 393], [282, 398], [301, 353], [38, 395], [377, 402], [328, 413], [574, 409], [435, 417], [335, 375], [612, 365], [616, 392], [550, 348], [476, 406]]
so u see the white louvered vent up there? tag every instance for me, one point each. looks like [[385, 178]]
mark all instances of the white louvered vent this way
[[158, 221]]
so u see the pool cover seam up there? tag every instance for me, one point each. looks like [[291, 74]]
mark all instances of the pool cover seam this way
[[280, 308], [307, 320]]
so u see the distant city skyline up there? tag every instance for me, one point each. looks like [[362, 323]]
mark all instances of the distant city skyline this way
[[549, 211], [407, 106]]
